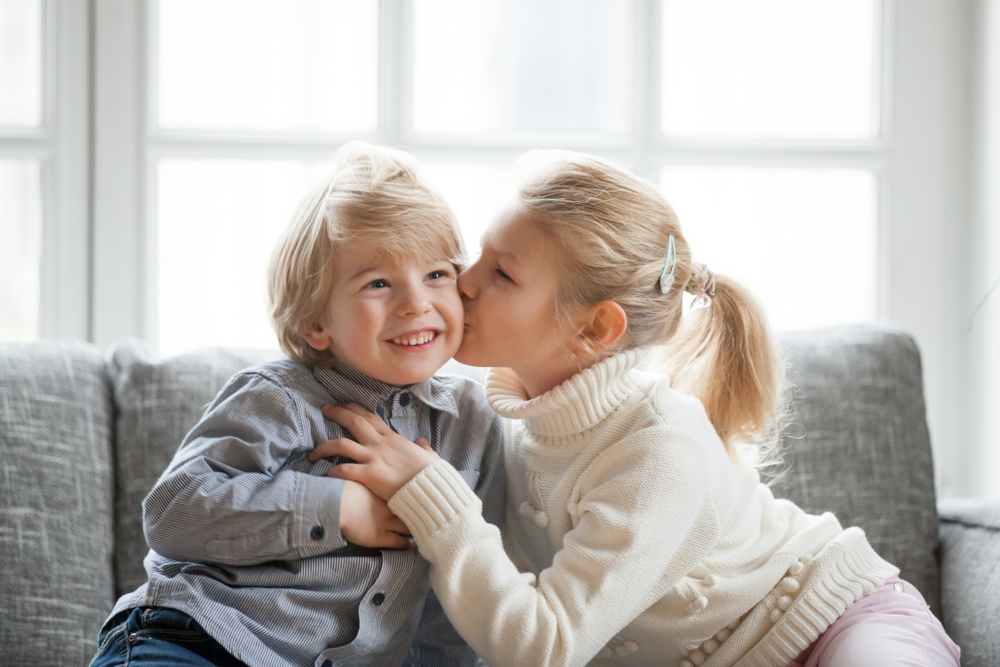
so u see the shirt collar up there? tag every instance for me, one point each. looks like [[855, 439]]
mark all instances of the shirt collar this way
[[369, 393]]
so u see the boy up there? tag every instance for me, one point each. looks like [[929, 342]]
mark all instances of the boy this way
[[257, 556]]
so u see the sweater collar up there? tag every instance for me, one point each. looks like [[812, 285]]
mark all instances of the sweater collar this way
[[572, 408]]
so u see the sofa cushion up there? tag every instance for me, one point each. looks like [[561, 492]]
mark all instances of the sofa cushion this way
[[158, 401], [970, 578], [55, 503], [857, 444]]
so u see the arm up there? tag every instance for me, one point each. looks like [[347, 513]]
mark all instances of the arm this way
[[225, 497], [612, 566], [623, 554]]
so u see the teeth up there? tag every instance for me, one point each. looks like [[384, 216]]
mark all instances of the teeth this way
[[419, 339]]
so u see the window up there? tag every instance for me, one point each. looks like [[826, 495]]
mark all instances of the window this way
[[22, 147], [43, 170], [150, 150], [246, 99]]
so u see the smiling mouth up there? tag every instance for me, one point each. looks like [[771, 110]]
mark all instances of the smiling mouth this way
[[420, 339]]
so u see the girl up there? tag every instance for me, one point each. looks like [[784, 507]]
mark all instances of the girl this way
[[637, 532]]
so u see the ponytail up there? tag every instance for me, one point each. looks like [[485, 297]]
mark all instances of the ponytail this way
[[723, 355]]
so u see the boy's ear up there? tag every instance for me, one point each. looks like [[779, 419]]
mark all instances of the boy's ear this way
[[317, 337], [604, 324]]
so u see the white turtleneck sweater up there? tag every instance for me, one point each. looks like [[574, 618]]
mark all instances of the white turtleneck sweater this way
[[631, 538]]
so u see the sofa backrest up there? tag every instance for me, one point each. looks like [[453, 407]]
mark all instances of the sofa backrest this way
[[56, 582], [858, 444]]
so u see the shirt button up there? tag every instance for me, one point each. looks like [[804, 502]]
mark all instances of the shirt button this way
[[404, 399], [378, 599], [317, 533]]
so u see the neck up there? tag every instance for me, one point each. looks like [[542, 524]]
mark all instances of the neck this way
[[538, 381]]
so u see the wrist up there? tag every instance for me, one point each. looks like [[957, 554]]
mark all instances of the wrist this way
[[432, 498]]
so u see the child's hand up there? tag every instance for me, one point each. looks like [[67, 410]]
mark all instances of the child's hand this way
[[365, 520], [385, 460]]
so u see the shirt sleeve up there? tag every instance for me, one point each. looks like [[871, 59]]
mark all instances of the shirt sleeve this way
[[623, 554], [225, 497]]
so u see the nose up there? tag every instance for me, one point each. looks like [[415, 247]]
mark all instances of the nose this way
[[466, 284], [416, 300]]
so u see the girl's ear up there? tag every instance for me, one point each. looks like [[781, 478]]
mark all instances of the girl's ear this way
[[317, 337], [604, 324]]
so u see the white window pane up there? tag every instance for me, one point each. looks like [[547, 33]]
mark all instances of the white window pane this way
[[217, 222], [268, 64], [20, 249], [803, 240], [476, 193], [522, 65], [21, 63], [770, 68]]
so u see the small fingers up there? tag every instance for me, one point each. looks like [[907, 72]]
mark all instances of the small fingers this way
[[396, 541], [340, 447], [361, 426], [353, 472], [396, 525], [424, 443], [371, 418]]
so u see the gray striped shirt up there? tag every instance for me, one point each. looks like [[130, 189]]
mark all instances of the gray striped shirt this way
[[245, 532]]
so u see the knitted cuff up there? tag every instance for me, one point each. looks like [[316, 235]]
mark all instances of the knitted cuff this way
[[433, 498]]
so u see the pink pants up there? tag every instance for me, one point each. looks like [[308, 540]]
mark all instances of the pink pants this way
[[891, 627]]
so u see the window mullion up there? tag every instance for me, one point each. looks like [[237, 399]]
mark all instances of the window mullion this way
[[65, 298], [394, 18], [646, 115], [119, 243]]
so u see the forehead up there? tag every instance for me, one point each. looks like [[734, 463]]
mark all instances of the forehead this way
[[515, 235], [360, 256]]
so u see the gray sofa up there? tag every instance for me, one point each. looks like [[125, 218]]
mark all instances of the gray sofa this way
[[84, 434]]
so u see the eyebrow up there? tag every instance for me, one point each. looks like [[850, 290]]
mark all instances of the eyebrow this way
[[363, 271], [375, 267], [508, 254]]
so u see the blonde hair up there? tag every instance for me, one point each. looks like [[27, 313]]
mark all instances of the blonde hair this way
[[373, 195], [615, 229]]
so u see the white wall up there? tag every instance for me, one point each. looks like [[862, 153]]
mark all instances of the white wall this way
[[926, 265], [981, 464]]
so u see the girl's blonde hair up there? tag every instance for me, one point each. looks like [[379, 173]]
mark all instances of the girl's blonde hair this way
[[615, 229], [374, 196]]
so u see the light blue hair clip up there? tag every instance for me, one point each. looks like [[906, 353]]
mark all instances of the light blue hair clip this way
[[667, 275]]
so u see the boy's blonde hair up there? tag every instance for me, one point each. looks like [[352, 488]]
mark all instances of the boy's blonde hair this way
[[375, 196], [615, 228]]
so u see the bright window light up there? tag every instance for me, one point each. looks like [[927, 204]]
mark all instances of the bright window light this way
[[218, 221], [803, 240], [21, 63], [493, 66], [266, 65], [779, 69], [20, 249]]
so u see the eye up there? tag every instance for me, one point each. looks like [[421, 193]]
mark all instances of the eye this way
[[437, 275], [502, 275], [378, 283]]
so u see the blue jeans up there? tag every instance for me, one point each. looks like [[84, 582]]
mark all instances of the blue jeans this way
[[160, 637]]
